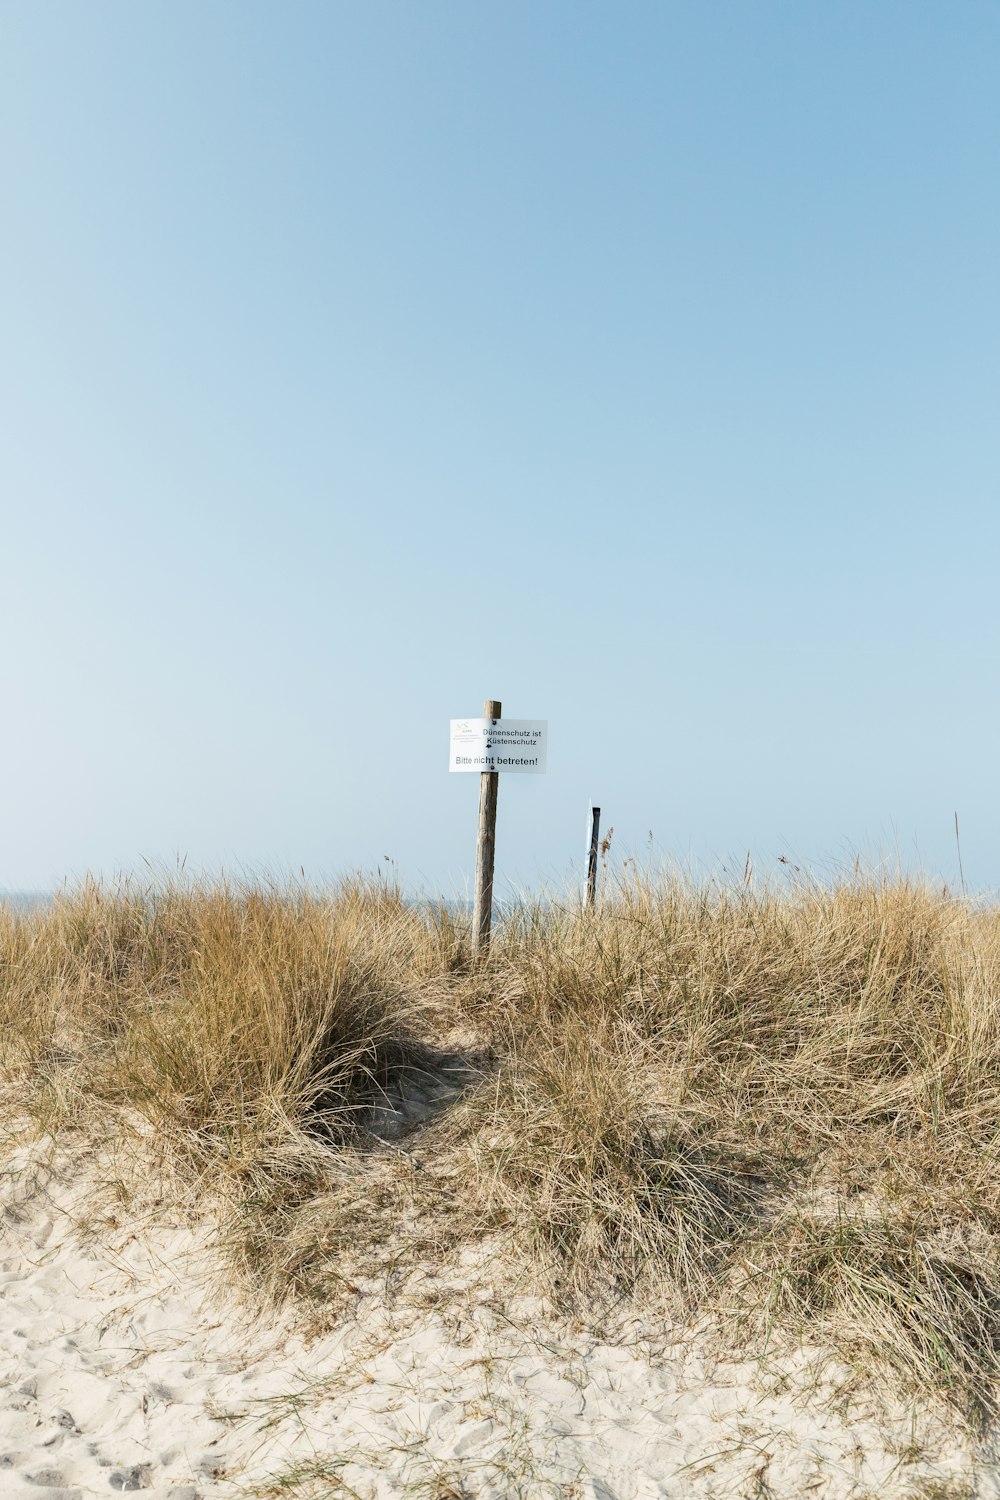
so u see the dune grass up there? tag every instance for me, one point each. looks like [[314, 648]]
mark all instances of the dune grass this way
[[780, 1104]]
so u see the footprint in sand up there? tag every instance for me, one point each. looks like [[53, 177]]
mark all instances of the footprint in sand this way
[[138, 1477]]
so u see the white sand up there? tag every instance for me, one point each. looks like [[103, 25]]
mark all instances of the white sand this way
[[121, 1368]]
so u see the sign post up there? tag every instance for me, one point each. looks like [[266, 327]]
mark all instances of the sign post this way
[[486, 846], [490, 745]]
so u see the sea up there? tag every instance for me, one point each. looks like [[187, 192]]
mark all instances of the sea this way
[[26, 900]]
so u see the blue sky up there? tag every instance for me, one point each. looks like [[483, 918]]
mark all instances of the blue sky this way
[[636, 364]]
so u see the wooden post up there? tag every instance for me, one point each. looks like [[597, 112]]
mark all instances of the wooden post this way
[[486, 844], [592, 846]]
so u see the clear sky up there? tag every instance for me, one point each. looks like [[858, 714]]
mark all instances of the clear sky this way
[[634, 363]]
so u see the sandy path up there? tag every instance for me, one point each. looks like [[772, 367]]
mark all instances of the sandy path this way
[[121, 1369]]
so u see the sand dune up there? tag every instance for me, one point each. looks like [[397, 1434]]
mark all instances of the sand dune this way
[[124, 1366]]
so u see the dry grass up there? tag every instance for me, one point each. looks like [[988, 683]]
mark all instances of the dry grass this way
[[785, 1104]]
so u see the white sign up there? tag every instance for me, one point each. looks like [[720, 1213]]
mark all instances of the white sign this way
[[498, 744]]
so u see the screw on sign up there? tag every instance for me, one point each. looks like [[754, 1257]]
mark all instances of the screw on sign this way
[[488, 746]]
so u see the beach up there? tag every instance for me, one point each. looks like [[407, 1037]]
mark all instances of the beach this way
[[127, 1363]]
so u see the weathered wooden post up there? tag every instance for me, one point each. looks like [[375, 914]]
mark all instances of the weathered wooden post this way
[[593, 840], [486, 847], [490, 745]]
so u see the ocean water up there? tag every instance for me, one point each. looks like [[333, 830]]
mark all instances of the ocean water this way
[[25, 900], [503, 910]]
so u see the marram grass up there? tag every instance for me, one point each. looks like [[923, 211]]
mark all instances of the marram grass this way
[[781, 1105]]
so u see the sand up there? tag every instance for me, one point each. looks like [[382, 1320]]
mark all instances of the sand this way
[[125, 1364]]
